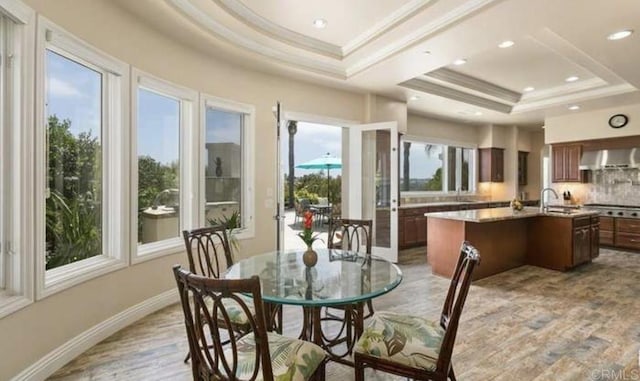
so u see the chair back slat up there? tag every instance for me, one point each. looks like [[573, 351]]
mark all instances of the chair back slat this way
[[350, 234], [205, 247], [205, 303], [468, 259]]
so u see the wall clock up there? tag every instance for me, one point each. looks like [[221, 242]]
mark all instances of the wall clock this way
[[618, 121]]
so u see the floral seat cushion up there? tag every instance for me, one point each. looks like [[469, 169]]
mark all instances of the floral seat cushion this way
[[235, 311], [291, 359], [407, 340]]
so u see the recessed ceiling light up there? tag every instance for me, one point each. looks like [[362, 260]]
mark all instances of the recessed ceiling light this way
[[574, 107], [427, 52], [573, 78], [320, 23], [460, 61], [528, 89], [414, 98], [478, 113], [506, 44], [619, 35]]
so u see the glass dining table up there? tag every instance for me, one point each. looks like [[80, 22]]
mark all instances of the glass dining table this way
[[340, 278]]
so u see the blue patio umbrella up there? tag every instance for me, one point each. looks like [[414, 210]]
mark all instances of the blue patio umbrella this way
[[325, 162]]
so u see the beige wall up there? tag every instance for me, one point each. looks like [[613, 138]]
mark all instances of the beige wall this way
[[421, 126], [591, 125], [32, 332]]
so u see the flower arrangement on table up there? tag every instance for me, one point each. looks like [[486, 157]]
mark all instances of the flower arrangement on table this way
[[310, 257], [306, 234]]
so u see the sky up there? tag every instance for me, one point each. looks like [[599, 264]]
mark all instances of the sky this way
[[74, 93], [311, 142]]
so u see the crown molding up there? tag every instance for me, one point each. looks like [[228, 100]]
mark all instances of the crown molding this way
[[217, 29], [465, 10], [449, 76], [247, 16], [569, 88], [457, 95], [401, 14], [605, 91]]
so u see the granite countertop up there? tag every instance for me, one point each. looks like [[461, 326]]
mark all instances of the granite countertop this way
[[452, 203], [502, 214]]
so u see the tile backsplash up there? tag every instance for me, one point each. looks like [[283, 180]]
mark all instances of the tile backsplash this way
[[606, 187]]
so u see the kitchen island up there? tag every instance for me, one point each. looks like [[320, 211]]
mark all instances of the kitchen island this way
[[508, 239]]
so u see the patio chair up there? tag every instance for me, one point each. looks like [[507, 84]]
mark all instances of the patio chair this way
[[414, 347], [258, 355]]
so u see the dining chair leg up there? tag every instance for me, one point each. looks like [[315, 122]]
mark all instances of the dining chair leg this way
[[452, 375], [359, 370]]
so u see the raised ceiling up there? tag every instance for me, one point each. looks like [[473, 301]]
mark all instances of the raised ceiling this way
[[405, 49]]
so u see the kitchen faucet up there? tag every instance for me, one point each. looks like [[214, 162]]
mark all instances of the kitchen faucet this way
[[543, 207]]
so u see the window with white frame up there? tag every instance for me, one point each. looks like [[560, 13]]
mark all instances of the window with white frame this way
[[17, 27], [82, 187], [3, 148], [164, 123], [228, 177], [430, 167]]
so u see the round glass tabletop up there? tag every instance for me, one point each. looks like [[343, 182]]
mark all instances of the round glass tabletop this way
[[339, 277]]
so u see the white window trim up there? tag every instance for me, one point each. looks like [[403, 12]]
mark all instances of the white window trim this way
[[115, 116], [248, 156], [450, 143], [18, 243], [188, 164]]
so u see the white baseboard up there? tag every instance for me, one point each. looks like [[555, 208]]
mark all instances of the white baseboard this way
[[60, 356]]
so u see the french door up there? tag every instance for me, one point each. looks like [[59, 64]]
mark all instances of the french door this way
[[373, 183]]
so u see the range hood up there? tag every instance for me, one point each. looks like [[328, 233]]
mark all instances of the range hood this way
[[611, 158]]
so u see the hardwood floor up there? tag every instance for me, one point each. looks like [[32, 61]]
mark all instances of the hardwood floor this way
[[525, 324]]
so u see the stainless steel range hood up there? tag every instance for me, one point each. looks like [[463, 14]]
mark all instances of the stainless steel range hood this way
[[611, 158]]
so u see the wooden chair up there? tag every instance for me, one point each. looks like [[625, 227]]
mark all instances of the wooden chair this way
[[205, 249], [257, 355], [352, 235], [414, 347]]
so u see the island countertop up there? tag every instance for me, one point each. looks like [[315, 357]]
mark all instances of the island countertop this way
[[501, 214]]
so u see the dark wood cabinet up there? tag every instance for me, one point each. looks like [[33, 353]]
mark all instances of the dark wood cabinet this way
[[595, 237], [627, 233], [573, 244], [491, 165], [566, 163], [606, 231], [522, 167]]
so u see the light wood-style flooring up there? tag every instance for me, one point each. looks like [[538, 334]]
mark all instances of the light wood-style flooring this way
[[525, 324]]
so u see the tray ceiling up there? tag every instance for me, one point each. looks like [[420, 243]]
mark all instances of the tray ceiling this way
[[405, 49]]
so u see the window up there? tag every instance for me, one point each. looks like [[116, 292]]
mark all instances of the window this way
[[430, 167], [80, 211], [74, 205], [164, 123], [228, 176], [16, 118]]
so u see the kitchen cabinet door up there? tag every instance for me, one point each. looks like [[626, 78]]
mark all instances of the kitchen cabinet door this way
[[581, 245], [557, 156], [572, 163], [491, 165], [595, 240], [522, 167]]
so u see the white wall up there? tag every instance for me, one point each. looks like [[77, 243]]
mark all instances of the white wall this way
[[591, 125], [34, 331]]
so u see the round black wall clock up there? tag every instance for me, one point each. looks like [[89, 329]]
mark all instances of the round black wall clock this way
[[618, 121]]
